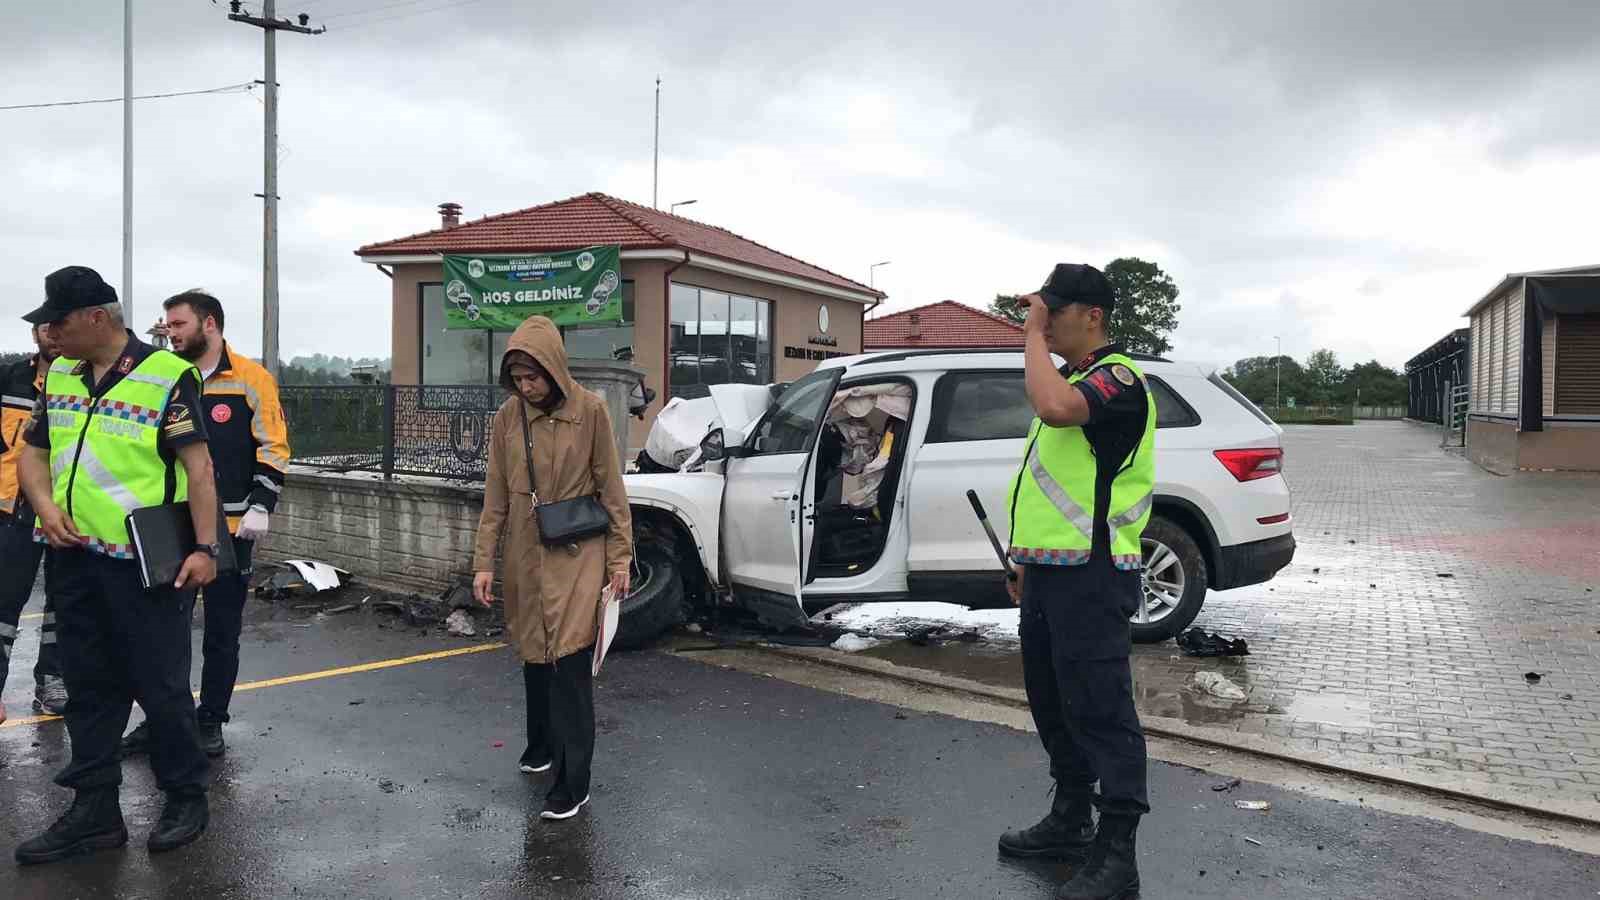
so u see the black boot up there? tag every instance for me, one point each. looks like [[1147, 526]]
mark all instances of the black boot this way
[[184, 820], [1065, 833], [93, 823], [136, 741], [1112, 872], [211, 739]]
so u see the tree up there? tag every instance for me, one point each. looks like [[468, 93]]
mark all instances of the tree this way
[[1147, 305], [1374, 384], [1258, 379], [8, 358], [1324, 376], [1009, 307]]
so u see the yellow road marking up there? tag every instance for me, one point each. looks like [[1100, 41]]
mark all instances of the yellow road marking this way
[[311, 676]]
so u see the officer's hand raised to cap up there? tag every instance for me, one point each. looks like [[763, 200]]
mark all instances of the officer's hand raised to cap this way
[[199, 570], [59, 529]]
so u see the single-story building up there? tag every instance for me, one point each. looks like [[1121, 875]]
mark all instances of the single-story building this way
[[700, 304], [1535, 372], [946, 325], [1429, 373]]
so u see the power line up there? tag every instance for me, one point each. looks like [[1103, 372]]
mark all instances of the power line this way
[[227, 89], [374, 9], [403, 15]]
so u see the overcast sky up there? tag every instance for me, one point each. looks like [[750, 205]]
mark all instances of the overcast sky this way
[[1348, 175]]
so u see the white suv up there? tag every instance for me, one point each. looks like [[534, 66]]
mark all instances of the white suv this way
[[850, 485]]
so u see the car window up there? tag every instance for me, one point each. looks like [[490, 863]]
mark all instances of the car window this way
[[791, 426], [1171, 409], [980, 406]]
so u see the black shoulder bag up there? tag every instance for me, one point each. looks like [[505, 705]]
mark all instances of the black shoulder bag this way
[[564, 521]]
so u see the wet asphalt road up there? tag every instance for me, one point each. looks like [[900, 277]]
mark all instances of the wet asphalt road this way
[[709, 784]]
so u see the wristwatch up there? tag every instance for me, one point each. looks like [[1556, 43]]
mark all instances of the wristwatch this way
[[210, 550]]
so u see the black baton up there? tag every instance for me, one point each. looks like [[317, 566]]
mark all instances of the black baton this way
[[994, 541]]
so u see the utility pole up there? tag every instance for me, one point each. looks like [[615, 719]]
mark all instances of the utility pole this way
[[127, 161], [1277, 391], [655, 164], [270, 25]]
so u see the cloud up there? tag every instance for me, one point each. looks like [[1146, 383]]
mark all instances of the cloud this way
[[1344, 175]]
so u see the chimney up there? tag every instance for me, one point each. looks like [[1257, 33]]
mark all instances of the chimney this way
[[916, 325], [450, 214]]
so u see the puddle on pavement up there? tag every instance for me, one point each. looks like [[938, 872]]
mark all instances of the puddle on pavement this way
[[1162, 684]]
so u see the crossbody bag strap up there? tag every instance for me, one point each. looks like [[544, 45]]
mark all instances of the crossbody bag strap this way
[[527, 444]]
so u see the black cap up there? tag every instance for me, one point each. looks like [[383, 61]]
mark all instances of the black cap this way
[[75, 287], [1077, 283]]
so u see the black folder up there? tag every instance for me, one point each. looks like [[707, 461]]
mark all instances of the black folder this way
[[163, 537]]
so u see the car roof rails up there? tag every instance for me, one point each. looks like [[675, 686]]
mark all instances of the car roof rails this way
[[902, 355]]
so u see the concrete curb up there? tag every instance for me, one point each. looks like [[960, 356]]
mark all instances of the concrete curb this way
[[1478, 793]]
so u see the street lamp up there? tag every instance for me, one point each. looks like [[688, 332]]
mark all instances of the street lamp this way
[[872, 272], [673, 208], [1277, 391]]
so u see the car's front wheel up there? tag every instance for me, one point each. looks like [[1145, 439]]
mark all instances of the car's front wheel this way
[[1174, 584], [655, 602]]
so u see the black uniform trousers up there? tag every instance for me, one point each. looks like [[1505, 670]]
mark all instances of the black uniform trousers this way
[[19, 566], [223, 608], [1075, 645], [561, 718], [121, 643]]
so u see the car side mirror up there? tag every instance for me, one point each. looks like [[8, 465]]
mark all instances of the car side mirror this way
[[733, 443], [712, 446]]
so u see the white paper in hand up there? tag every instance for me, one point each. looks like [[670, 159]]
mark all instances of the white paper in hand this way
[[610, 614]]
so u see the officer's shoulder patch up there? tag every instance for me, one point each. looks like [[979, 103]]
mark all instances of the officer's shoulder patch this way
[[1123, 374], [176, 413]]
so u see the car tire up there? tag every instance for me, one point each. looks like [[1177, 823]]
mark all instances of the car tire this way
[[1169, 545], [655, 604]]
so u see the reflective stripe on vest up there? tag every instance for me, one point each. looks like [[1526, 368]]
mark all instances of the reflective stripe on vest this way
[[105, 458], [1053, 494]]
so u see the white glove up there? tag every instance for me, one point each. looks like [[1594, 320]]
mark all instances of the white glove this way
[[253, 527]]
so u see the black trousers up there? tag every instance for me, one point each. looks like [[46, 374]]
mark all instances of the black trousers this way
[[1075, 642], [19, 566], [224, 619], [121, 643], [561, 718]]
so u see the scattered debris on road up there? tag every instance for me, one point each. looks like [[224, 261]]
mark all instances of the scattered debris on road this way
[[1251, 840], [854, 643], [1533, 677], [1253, 805], [1198, 642], [1228, 785], [459, 623], [1217, 685]]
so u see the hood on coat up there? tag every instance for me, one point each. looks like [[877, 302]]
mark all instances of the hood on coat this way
[[539, 337]]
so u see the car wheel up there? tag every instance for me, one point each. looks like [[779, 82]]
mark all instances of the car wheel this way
[[655, 602], [1174, 582]]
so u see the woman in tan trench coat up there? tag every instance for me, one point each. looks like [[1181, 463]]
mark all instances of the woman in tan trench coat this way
[[552, 594]]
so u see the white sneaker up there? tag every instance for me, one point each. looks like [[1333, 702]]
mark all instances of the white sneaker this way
[[557, 814]]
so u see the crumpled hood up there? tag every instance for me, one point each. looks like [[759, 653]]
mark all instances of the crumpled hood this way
[[539, 337]]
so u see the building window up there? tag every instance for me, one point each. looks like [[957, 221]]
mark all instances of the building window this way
[[473, 357], [717, 338]]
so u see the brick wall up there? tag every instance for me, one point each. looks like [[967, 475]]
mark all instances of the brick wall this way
[[410, 534]]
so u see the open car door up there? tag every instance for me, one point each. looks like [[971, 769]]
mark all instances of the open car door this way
[[765, 500]]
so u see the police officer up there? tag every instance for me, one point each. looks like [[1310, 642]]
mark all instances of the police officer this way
[[20, 385], [1078, 506], [250, 451], [114, 431]]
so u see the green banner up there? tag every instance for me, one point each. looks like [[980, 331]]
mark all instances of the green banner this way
[[578, 287]]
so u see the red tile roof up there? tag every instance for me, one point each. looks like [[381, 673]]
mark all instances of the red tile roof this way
[[945, 324], [601, 219]]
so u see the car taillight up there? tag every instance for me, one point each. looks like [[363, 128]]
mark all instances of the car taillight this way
[[1251, 464]]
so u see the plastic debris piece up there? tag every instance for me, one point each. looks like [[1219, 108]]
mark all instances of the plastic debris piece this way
[[854, 643], [1533, 677], [1198, 642], [459, 623], [1251, 840], [1228, 785], [1253, 805], [320, 575], [1217, 685]]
